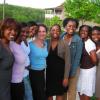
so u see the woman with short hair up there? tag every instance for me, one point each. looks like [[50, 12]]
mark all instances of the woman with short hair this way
[[38, 54], [8, 27], [58, 65], [87, 76]]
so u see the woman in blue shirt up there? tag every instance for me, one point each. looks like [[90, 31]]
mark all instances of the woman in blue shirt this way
[[38, 54]]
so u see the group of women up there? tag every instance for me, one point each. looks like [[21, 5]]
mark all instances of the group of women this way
[[35, 68]]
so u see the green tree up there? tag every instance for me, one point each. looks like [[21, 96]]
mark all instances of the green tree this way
[[82, 9], [52, 21], [23, 13]]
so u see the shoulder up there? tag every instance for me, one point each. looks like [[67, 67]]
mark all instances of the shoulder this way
[[62, 35], [22, 43], [63, 42], [12, 45], [90, 45], [31, 43], [76, 37], [89, 42]]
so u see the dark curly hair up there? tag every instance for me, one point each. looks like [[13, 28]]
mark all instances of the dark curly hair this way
[[66, 20]]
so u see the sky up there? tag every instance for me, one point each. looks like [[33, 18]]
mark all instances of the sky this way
[[35, 3]]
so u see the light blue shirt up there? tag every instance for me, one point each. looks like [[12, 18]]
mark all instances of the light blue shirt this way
[[27, 62], [38, 56], [27, 51]]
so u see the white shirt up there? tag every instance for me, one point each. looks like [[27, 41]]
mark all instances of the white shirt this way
[[27, 62], [89, 46]]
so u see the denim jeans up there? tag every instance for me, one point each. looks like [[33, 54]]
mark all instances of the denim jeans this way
[[28, 91]]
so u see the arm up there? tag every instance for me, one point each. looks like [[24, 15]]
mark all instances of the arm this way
[[67, 64], [93, 57], [67, 60]]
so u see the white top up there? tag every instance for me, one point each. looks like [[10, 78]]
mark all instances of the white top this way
[[89, 46], [19, 63], [27, 62], [27, 51]]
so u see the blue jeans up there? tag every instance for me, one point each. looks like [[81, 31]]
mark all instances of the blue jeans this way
[[28, 91]]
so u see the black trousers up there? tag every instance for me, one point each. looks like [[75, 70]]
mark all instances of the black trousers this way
[[17, 91], [38, 84]]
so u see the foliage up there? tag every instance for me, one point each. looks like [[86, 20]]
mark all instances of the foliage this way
[[83, 10], [52, 21], [23, 13]]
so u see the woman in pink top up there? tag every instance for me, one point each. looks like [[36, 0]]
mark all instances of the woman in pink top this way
[[17, 86]]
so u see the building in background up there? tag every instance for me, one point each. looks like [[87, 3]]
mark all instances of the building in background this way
[[56, 11]]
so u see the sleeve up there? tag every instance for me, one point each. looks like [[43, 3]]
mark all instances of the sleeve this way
[[67, 60], [76, 63], [90, 46]]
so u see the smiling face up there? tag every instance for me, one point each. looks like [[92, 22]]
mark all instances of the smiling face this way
[[9, 28], [84, 32], [9, 34], [24, 32], [13, 35], [96, 35], [70, 28], [41, 33], [55, 32], [33, 30]]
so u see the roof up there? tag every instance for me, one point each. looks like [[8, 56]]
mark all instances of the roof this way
[[61, 6]]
